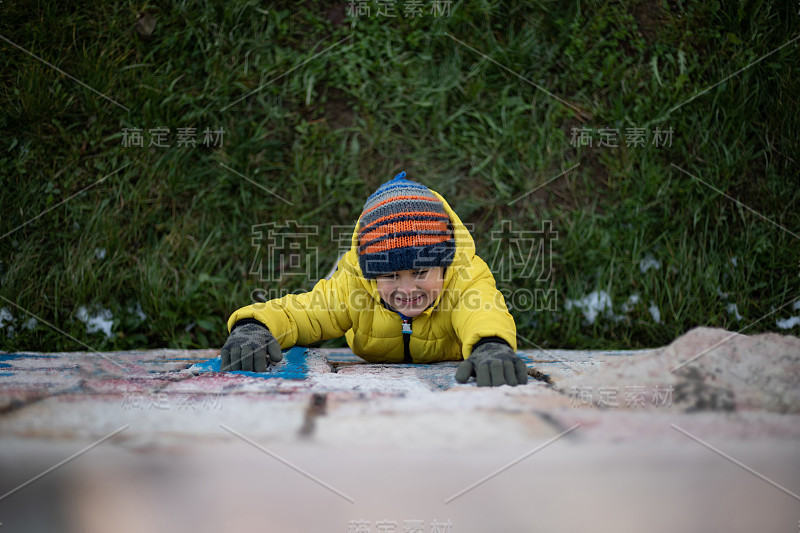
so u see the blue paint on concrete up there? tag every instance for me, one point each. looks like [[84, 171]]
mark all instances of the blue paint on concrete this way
[[11, 356], [526, 357], [293, 366], [344, 357]]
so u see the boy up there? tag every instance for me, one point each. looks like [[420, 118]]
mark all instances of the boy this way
[[410, 290]]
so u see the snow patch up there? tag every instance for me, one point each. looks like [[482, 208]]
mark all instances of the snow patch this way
[[101, 320], [788, 323], [592, 305], [5, 317], [633, 299], [7, 321], [649, 262], [655, 313], [734, 310], [136, 311]]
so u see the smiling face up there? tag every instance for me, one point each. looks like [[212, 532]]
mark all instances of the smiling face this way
[[411, 291]]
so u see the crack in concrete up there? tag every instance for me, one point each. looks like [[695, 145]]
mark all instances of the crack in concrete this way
[[317, 406]]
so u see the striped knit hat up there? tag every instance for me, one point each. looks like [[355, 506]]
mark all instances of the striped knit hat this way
[[403, 227]]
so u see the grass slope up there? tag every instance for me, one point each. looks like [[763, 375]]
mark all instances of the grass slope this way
[[691, 109]]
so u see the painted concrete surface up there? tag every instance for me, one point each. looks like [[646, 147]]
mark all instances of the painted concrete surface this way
[[141, 441]]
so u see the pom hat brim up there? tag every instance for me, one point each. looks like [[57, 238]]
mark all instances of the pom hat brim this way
[[403, 226]]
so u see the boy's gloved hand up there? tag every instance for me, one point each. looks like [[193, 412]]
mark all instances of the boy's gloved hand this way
[[247, 348], [493, 364]]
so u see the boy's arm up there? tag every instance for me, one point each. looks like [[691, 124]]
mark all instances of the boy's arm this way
[[479, 309], [487, 332], [303, 319]]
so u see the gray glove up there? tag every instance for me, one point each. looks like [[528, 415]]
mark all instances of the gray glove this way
[[493, 364], [247, 348]]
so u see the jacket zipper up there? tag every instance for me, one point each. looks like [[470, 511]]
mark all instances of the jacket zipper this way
[[406, 340]]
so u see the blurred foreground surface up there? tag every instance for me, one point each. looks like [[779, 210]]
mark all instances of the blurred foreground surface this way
[[701, 435]]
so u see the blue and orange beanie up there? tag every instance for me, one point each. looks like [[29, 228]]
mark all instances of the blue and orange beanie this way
[[403, 227]]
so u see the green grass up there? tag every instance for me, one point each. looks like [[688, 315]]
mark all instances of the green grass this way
[[323, 131]]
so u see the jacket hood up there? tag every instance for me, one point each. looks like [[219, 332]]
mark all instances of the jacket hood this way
[[465, 251]]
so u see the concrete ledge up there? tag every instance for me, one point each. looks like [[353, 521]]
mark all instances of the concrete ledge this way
[[135, 441]]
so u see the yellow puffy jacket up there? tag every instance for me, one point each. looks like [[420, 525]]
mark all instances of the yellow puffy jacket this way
[[469, 308]]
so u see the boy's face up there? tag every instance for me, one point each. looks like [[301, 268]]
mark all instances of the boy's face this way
[[411, 291]]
